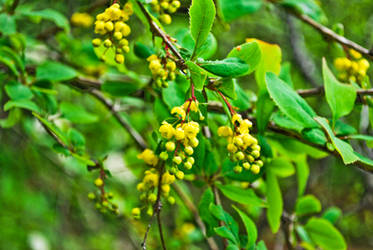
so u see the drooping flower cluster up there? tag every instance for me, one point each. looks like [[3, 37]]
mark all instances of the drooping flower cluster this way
[[163, 69], [112, 27], [81, 19], [164, 8], [177, 148], [353, 70], [243, 148], [103, 201]]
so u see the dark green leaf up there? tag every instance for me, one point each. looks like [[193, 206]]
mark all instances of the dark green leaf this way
[[142, 51], [51, 15], [332, 214], [224, 232], [303, 172], [228, 67], [197, 74], [249, 53], [23, 103], [227, 88], [252, 233], [220, 214], [203, 208], [119, 88], [274, 199]]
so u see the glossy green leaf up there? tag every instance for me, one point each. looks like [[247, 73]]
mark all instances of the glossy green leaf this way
[[249, 53], [307, 205], [202, 15], [228, 67], [334, 90], [252, 232], [242, 102], [303, 172], [55, 130], [55, 71], [289, 102], [224, 232], [233, 9], [197, 74], [325, 235], [142, 51], [227, 87], [173, 95], [222, 215], [243, 196], [264, 107]]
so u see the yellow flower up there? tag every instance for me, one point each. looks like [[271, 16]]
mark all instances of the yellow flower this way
[[179, 111], [191, 129], [355, 54], [81, 19], [193, 106], [236, 118], [136, 212], [151, 179], [179, 134], [168, 178], [149, 157], [166, 130], [225, 131]]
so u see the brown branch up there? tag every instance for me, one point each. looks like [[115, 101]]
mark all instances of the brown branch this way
[[135, 135], [192, 208], [334, 36]]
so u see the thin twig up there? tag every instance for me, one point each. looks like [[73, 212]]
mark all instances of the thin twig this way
[[334, 36]]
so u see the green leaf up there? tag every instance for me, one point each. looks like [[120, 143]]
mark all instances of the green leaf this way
[[51, 15], [55, 71], [228, 67], [14, 116], [264, 107], [325, 235], [303, 172], [281, 167], [76, 138], [307, 205], [285, 74], [367, 138], [119, 88], [197, 74], [224, 232], [249, 53], [55, 130], [220, 214], [334, 90], [289, 102], [270, 61], [344, 149], [243, 196], [17, 91], [202, 15], [307, 7], [233, 9], [173, 95], [203, 207], [332, 214], [8, 24], [10, 54], [23, 103], [142, 51], [77, 114], [242, 101], [261, 246], [252, 232], [274, 199], [207, 50], [227, 87]]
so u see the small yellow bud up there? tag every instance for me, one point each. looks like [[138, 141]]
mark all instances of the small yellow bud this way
[[355, 54], [240, 155], [117, 35], [107, 43], [225, 131], [188, 165], [179, 134], [119, 58], [191, 160], [99, 182], [189, 150], [255, 153], [152, 198], [166, 188], [163, 155], [194, 142], [246, 165], [170, 146], [123, 42], [231, 148], [109, 26], [140, 187], [255, 169], [180, 175], [164, 5], [91, 196], [136, 212], [171, 200], [237, 169], [165, 18], [177, 160], [96, 42]]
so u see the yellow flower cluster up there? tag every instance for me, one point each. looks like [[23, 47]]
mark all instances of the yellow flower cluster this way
[[103, 200], [243, 148], [162, 7], [111, 25], [148, 188], [81, 19], [178, 145], [353, 70], [162, 69]]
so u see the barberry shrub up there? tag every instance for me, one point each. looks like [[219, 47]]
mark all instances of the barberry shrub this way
[[206, 134]]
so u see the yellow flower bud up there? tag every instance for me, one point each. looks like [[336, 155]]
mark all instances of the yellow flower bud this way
[[225, 131], [119, 58], [188, 165], [163, 155], [246, 165], [99, 182], [126, 30], [180, 112], [240, 155], [171, 200], [109, 26], [355, 54], [236, 118], [191, 160], [177, 160], [255, 169], [237, 169], [194, 142], [136, 212], [189, 150], [165, 18], [140, 187], [107, 43], [166, 130], [170, 146], [179, 134], [96, 42], [152, 198], [166, 188], [231, 148], [180, 175]]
